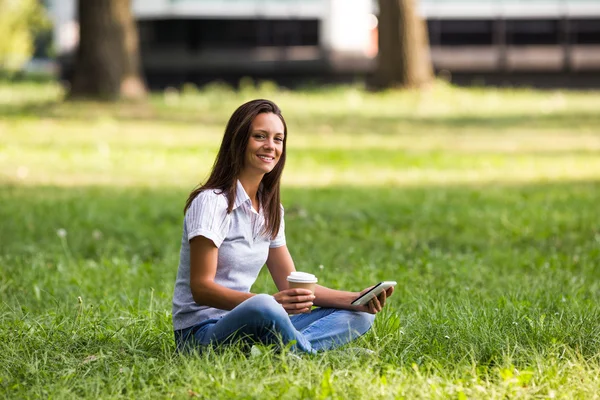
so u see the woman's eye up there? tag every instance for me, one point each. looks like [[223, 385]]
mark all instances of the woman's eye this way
[[259, 136], [279, 139]]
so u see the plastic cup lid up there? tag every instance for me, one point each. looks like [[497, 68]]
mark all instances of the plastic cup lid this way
[[303, 277]]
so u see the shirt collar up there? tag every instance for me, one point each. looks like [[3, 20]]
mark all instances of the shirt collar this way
[[241, 196]]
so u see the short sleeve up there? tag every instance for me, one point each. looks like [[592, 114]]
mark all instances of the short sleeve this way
[[280, 239], [207, 216]]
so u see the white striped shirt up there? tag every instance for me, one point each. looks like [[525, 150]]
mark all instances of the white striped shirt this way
[[243, 250]]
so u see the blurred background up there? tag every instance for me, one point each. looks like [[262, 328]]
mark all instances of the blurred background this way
[[544, 43]]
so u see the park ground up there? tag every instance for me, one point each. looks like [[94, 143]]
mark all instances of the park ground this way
[[484, 205]]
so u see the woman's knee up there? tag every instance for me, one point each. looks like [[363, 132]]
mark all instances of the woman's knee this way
[[264, 306]]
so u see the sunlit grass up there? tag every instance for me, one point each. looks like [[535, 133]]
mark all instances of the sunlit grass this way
[[336, 137]]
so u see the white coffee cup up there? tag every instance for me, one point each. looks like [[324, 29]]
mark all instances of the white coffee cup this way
[[302, 280]]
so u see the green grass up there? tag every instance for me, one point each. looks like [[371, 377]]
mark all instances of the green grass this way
[[483, 205]]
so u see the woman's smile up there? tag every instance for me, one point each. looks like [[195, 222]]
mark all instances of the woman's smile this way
[[267, 159]]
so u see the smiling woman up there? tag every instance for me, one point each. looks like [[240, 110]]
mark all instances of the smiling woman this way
[[233, 225]]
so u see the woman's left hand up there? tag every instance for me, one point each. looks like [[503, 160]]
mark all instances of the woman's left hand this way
[[376, 304]]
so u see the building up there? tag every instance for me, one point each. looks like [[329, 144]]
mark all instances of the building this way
[[183, 40]]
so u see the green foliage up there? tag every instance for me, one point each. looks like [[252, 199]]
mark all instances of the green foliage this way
[[495, 245], [20, 21]]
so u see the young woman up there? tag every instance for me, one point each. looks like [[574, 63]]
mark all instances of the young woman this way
[[233, 225]]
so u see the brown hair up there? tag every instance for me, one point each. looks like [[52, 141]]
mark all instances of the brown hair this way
[[230, 161]]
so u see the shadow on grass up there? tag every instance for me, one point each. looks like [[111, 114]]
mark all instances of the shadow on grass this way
[[353, 121], [147, 222]]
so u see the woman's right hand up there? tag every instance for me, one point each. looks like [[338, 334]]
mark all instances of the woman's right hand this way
[[295, 301]]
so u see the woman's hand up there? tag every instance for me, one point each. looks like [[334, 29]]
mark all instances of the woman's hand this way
[[376, 304], [295, 301]]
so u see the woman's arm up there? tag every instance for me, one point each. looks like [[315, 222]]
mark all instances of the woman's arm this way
[[341, 299], [203, 268], [281, 264], [332, 298]]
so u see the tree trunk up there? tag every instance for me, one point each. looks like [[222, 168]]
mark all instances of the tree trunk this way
[[107, 64], [403, 59]]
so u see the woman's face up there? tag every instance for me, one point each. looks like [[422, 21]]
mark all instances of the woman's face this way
[[265, 144]]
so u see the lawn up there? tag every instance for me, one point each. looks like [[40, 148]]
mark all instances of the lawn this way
[[483, 204]]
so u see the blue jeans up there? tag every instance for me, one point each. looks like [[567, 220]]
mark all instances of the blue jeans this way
[[261, 319]]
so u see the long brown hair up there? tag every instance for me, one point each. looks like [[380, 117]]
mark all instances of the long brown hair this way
[[230, 161]]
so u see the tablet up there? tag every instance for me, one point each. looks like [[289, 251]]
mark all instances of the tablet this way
[[374, 291]]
